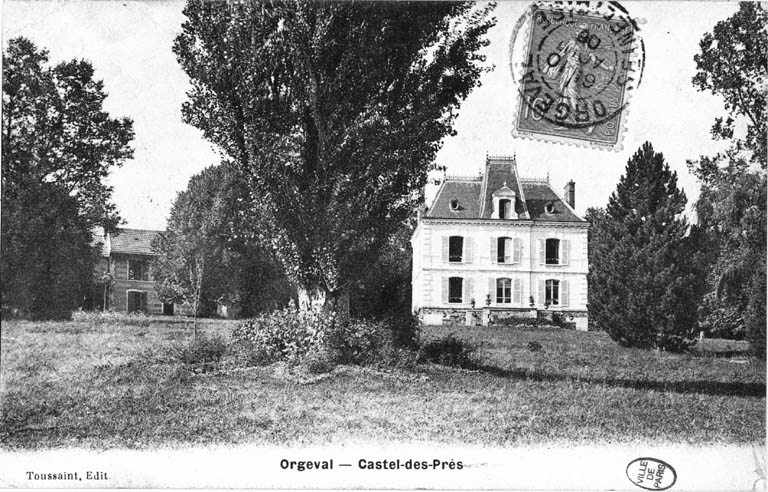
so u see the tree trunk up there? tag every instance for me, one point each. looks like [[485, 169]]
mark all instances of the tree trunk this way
[[319, 298]]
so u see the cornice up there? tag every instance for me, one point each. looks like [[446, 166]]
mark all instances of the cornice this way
[[505, 223]]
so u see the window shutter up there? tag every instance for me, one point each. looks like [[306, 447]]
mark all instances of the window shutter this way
[[492, 289], [542, 251], [542, 295], [518, 250], [445, 290], [566, 246], [494, 249], [518, 293], [467, 250], [467, 294], [563, 292], [445, 249]]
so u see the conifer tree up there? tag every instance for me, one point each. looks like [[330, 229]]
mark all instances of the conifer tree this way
[[643, 278]]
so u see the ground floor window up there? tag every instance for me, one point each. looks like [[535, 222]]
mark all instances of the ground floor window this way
[[455, 289], [504, 291], [552, 292]]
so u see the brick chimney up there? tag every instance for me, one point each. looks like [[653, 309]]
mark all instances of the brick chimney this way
[[569, 193]]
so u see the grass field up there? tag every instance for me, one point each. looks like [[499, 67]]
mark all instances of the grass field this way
[[111, 384]]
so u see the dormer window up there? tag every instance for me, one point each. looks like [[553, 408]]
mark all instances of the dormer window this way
[[454, 205], [505, 208], [504, 203], [549, 208]]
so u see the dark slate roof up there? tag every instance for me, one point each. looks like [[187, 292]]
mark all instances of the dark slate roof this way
[[538, 194], [500, 173], [475, 196], [467, 192], [133, 241]]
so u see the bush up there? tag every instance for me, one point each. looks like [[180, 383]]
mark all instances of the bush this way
[[203, 351], [450, 351], [304, 336], [287, 334]]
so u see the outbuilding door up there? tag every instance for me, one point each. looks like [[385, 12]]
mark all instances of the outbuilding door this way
[[137, 301]]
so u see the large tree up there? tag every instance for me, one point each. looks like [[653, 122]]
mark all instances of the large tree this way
[[211, 252], [58, 146], [643, 278], [733, 63], [335, 111]]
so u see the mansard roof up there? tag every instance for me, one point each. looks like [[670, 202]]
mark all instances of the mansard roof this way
[[535, 198]]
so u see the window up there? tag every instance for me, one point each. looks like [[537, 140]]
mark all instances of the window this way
[[503, 291], [505, 209], [455, 289], [138, 270], [455, 249], [553, 252], [454, 205], [552, 292], [505, 250]]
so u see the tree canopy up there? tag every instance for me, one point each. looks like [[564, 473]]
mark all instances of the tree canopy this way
[[733, 63], [58, 146], [643, 278], [210, 252], [335, 111]]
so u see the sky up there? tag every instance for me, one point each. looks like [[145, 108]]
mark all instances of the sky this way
[[129, 44]]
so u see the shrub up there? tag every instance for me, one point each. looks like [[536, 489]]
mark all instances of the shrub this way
[[203, 351], [287, 334], [450, 351]]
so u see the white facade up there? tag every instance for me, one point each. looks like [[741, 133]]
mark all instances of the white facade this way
[[509, 265]]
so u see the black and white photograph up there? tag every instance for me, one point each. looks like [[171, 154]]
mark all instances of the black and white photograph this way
[[349, 244]]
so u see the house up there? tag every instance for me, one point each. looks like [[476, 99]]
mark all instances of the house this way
[[122, 276], [498, 245]]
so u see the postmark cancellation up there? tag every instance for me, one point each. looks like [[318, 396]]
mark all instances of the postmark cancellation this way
[[575, 73]]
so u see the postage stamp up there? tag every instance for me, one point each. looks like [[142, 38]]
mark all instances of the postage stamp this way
[[576, 74]]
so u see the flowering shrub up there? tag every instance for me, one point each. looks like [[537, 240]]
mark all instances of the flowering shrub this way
[[286, 334]]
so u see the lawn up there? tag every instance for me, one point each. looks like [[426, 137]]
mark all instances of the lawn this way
[[111, 384]]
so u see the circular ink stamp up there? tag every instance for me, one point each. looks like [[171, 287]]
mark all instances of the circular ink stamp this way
[[575, 75]]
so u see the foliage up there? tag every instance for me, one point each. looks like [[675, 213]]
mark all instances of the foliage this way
[[209, 253], [643, 277], [335, 111], [287, 334], [733, 63], [732, 204], [383, 287], [450, 351], [58, 147]]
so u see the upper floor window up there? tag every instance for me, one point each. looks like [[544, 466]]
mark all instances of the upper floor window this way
[[553, 252], [138, 270], [505, 208], [504, 248], [455, 249], [455, 290]]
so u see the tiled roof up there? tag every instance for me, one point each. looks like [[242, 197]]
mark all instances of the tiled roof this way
[[537, 195], [475, 196], [467, 192], [132, 241]]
